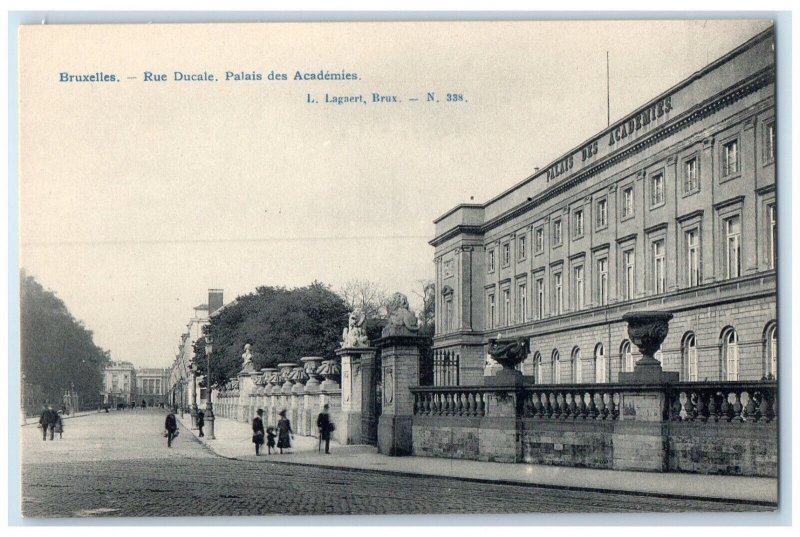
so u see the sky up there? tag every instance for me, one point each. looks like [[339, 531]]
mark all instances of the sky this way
[[137, 197]]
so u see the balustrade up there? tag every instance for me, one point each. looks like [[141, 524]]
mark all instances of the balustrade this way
[[723, 402], [467, 402]]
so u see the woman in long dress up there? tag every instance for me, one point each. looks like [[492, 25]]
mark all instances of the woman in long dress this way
[[284, 431]]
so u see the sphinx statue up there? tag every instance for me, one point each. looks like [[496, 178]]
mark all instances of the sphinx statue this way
[[402, 321], [355, 335]]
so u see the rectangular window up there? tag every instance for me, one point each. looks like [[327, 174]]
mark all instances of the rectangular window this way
[[602, 213], [577, 229], [490, 261], [733, 257], [773, 235], [521, 248], [539, 240], [691, 181], [557, 232], [693, 257], [540, 298], [558, 294], [769, 142], [506, 254], [490, 312], [629, 271], [602, 281], [730, 158], [522, 301], [579, 287], [657, 190], [627, 202], [506, 307], [659, 267]]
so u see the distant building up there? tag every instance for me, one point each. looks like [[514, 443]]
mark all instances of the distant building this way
[[151, 385], [119, 383], [180, 377], [673, 207]]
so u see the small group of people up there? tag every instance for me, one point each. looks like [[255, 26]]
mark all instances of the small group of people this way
[[284, 432], [51, 421]]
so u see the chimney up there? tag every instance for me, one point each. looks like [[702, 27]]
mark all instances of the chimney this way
[[214, 300]]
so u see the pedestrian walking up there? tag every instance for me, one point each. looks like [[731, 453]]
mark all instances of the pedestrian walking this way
[[270, 439], [201, 421], [285, 433], [258, 431], [59, 424], [171, 428], [47, 421], [326, 427]]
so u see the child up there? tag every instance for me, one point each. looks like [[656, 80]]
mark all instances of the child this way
[[270, 439]]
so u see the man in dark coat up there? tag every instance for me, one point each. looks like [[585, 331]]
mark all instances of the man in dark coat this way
[[171, 425], [325, 427], [201, 421], [48, 421], [258, 431]]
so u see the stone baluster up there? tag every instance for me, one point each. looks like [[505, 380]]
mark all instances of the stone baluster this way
[[726, 408], [592, 414], [602, 413], [481, 405], [582, 408], [750, 409], [763, 407], [701, 409], [689, 407], [737, 407], [713, 407], [573, 407]]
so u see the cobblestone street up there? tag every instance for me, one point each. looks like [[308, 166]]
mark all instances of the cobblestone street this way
[[118, 465]]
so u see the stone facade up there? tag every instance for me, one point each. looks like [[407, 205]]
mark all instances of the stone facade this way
[[671, 208]]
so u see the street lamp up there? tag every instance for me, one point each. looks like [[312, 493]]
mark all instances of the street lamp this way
[[209, 406]]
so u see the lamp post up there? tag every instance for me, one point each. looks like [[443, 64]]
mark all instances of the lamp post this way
[[209, 406], [193, 408]]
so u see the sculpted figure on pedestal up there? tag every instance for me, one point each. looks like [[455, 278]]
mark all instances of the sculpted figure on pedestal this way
[[402, 321], [247, 359], [355, 335]]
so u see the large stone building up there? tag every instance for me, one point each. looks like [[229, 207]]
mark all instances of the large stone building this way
[[672, 208], [119, 384], [180, 376], [151, 385]]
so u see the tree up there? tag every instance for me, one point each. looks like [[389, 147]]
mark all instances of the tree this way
[[282, 325], [57, 351], [372, 298], [427, 315]]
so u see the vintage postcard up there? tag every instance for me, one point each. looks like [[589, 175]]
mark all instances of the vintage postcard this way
[[365, 268]]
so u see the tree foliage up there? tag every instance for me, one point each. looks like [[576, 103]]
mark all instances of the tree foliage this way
[[281, 324], [57, 351]]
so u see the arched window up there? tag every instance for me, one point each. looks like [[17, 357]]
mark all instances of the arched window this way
[[730, 354], [626, 357], [556, 367], [537, 360], [577, 374], [689, 358], [771, 350], [600, 366]]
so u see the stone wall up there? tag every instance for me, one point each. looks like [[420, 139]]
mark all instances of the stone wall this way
[[544, 426]]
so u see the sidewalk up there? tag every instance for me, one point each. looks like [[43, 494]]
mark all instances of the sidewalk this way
[[34, 420], [233, 440]]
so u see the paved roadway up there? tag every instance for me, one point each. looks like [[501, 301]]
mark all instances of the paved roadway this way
[[118, 465]]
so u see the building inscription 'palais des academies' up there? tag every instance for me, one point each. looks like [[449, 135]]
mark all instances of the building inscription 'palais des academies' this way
[[671, 208]]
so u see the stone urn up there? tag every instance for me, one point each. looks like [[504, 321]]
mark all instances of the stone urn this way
[[330, 370], [508, 353], [647, 330], [274, 381], [311, 364], [299, 377], [286, 370]]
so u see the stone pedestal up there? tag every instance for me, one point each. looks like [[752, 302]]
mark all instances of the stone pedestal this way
[[640, 440], [246, 387], [369, 400], [400, 371], [349, 428]]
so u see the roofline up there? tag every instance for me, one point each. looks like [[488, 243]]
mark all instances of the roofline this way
[[456, 208], [765, 34]]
